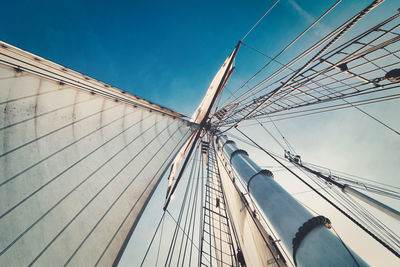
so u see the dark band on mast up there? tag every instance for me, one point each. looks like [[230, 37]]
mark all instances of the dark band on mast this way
[[228, 142], [263, 171], [306, 228], [237, 152]]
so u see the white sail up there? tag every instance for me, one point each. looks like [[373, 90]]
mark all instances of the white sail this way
[[176, 163], [212, 93], [219, 79], [78, 162]]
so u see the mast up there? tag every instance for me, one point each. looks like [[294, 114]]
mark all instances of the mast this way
[[306, 237], [347, 188], [201, 116], [371, 201]]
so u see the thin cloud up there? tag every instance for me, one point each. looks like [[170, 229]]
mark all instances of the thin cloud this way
[[319, 29]]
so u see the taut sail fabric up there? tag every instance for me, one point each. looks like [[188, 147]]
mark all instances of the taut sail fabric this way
[[79, 160], [219, 80]]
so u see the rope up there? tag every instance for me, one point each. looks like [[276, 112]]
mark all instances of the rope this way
[[260, 20], [364, 112], [283, 137], [374, 118], [331, 227], [273, 137], [288, 46], [292, 42], [177, 227], [194, 212], [313, 111], [187, 214], [159, 243], [326, 199], [180, 228], [344, 245], [152, 239], [343, 30]]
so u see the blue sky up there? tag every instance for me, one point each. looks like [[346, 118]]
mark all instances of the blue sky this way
[[164, 51], [169, 51]]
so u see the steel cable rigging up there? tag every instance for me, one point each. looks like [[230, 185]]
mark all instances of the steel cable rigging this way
[[368, 231], [316, 84]]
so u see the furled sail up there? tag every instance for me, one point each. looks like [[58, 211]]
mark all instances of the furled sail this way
[[214, 90], [201, 114], [79, 161]]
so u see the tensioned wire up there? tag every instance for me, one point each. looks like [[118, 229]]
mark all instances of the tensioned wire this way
[[223, 224], [178, 222], [265, 129], [162, 219], [290, 44], [301, 56], [73, 143], [329, 201], [80, 160], [331, 92], [297, 105], [155, 176], [98, 193], [361, 184], [256, 207], [252, 28], [62, 79], [318, 111], [192, 203], [65, 196], [345, 28], [355, 181], [229, 225], [55, 131]]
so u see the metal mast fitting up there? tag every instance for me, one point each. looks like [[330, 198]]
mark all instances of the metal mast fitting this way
[[306, 237]]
